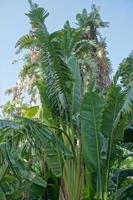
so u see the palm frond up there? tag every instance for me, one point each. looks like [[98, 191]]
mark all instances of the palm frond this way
[[31, 130], [25, 42], [37, 15]]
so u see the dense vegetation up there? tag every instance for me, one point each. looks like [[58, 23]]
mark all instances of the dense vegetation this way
[[70, 138]]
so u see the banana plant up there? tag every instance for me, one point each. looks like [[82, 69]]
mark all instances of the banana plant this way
[[78, 127], [94, 142]]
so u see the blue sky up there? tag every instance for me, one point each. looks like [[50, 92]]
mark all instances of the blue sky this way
[[14, 24]]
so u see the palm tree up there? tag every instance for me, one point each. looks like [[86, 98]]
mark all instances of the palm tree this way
[[89, 25]]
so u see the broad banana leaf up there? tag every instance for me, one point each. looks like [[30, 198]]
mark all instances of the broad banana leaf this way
[[54, 159], [53, 147], [91, 116], [76, 85], [113, 104]]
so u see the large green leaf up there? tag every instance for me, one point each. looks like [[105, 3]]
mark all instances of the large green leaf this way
[[128, 104], [91, 115], [53, 147], [54, 159], [113, 104], [76, 85], [45, 110], [20, 170]]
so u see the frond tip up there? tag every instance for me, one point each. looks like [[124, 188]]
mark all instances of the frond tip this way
[[31, 4]]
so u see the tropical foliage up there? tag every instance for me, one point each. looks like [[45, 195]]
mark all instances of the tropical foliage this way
[[70, 141]]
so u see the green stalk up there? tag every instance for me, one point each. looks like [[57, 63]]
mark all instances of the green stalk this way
[[109, 154], [99, 182], [107, 171], [108, 164], [118, 174]]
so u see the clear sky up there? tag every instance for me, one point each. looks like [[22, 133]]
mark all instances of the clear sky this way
[[14, 24]]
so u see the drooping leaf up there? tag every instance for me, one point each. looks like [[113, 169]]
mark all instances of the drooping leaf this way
[[53, 147], [54, 159], [128, 104], [25, 42], [21, 171]]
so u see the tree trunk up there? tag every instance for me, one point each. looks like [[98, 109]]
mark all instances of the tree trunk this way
[[62, 195], [72, 181]]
